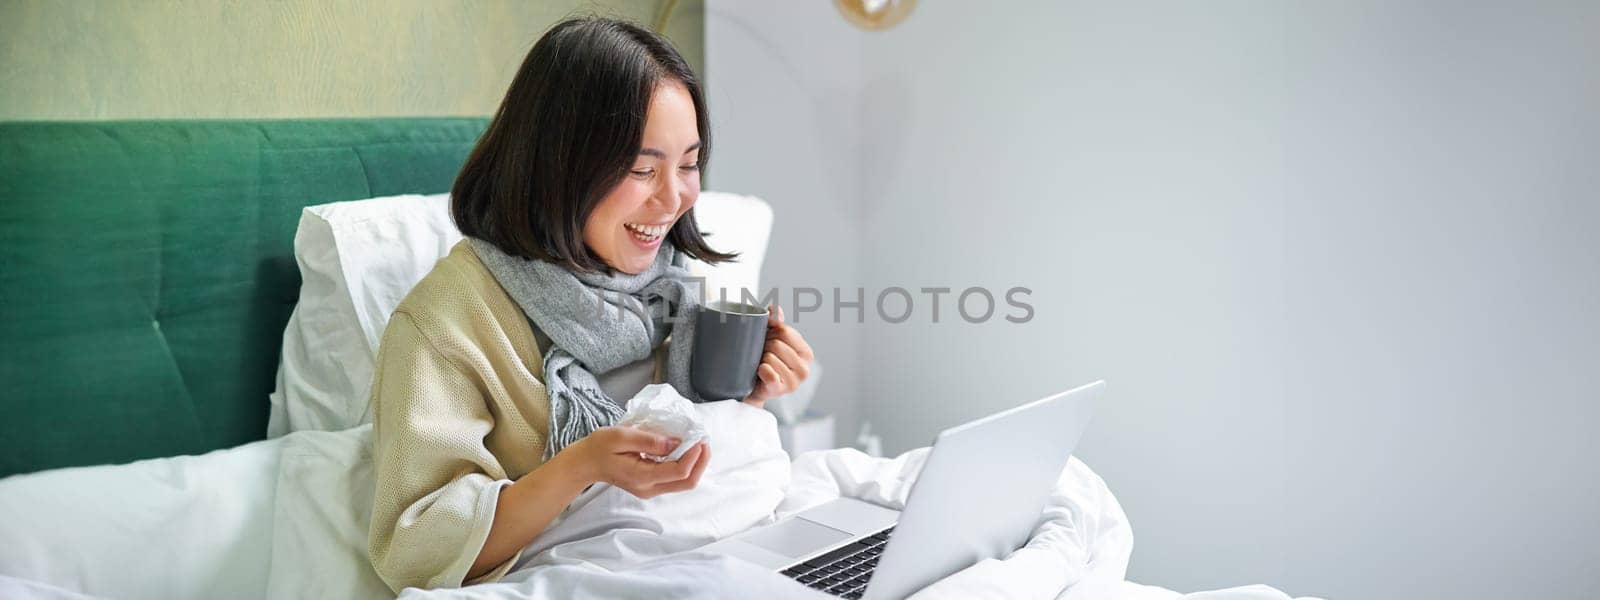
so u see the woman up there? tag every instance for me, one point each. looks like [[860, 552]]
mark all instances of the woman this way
[[496, 377]]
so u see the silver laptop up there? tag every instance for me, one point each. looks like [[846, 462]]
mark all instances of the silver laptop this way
[[980, 494]]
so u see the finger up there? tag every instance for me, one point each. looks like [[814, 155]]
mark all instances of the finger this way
[[685, 465], [632, 439], [770, 380], [646, 475], [764, 377], [659, 476], [700, 466], [786, 377], [758, 394], [688, 483], [792, 337], [791, 359], [637, 476], [789, 335], [777, 316]]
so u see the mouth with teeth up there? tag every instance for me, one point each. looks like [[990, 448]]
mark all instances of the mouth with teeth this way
[[647, 234]]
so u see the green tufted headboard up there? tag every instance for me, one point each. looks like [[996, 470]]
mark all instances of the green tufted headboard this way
[[147, 270]]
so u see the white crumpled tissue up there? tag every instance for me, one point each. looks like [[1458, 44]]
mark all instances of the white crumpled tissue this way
[[660, 409]]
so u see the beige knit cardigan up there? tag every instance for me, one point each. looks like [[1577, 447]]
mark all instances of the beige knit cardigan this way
[[459, 411]]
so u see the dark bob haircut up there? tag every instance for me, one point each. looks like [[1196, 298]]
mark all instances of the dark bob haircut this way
[[568, 131]]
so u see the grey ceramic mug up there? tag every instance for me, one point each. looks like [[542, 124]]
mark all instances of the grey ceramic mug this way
[[728, 340]]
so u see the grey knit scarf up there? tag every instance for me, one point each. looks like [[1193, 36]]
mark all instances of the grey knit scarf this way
[[598, 322]]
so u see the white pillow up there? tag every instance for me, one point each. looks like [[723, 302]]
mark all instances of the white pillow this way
[[358, 259]]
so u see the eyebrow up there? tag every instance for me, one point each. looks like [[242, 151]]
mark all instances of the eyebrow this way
[[662, 155]]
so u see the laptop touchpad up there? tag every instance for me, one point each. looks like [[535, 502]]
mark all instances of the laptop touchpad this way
[[795, 538]]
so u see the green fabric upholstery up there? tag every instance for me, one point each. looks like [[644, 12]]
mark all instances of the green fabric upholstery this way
[[147, 270]]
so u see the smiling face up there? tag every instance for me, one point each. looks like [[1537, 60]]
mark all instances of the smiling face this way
[[626, 228]]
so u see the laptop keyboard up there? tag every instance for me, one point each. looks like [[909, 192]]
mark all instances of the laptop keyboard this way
[[843, 572]]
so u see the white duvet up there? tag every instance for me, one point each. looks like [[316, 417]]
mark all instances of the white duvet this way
[[287, 518]]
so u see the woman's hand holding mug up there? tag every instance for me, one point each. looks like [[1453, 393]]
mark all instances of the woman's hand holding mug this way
[[746, 351], [785, 361]]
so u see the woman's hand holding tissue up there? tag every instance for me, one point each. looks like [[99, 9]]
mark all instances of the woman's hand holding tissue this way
[[616, 455], [784, 364], [613, 455]]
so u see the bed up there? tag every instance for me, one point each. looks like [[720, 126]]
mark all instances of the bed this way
[[150, 272]]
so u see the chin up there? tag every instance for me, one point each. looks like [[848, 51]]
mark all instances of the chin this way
[[639, 265]]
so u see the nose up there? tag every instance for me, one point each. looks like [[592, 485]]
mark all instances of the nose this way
[[669, 194]]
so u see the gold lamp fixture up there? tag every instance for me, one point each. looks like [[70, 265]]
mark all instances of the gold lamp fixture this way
[[875, 15]]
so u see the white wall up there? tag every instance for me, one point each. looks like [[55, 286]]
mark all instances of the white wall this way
[[783, 84], [1337, 261]]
